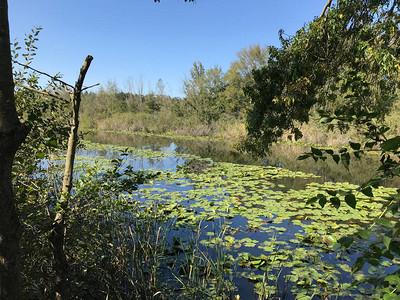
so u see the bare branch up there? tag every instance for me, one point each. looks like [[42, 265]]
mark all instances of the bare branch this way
[[90, 86], [43, 73], [326, 8], [57, 235]]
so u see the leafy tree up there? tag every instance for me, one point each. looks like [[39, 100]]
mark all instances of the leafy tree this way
[[346, 61], [106, 102], [346, 64], [239, 75], [204, 93]]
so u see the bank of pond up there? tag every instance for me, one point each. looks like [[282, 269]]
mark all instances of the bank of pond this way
[[239, 227]]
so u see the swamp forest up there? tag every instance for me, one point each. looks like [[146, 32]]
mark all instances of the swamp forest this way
[[278, 178]]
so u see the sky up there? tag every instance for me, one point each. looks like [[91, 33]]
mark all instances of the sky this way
[[140, 40]]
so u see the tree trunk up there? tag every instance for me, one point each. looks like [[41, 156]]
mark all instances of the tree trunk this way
[[57, 234], [12, 134]]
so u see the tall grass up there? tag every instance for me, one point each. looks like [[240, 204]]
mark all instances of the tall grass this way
[[203, 272], [166, 122]]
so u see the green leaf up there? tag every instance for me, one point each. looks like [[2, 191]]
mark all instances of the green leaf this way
[[370, 144], [355, 146], [336, 158], [322, 201], [364, 234], [367, 191], [350, 200], [325, 120], [391, 297], [345, 157], [392, 278], [302, 157], [335, 201], [330, 152], [336, 246], [346, 241], [383, 221], [52, 143], [311, 200], [316, 151], [332, 193], [386, 241], [357, 154], [40, 155], [391, 144], [357, 266], [373, 262]]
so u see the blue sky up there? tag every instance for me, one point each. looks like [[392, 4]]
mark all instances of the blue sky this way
[[142, 39]]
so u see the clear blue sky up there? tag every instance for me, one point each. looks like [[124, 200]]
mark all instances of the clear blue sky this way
[[142, 39]]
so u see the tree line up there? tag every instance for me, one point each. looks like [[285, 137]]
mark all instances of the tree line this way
[[210, 96]]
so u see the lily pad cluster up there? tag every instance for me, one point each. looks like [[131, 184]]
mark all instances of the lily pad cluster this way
[[277, 241]]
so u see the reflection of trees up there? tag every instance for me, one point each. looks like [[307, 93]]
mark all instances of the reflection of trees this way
[[360, 171], [217, 151], [284, 156], [130, 140]]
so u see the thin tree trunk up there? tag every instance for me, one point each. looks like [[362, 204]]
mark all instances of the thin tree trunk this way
[[12, 134], [57, 234]]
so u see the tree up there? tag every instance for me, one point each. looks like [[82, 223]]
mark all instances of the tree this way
[[345, 64], [203, 92], [12, 134], [346, 61], [239, 75]]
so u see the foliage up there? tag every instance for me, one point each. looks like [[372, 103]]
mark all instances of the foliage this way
[[239, 75], [34, 188], [344, 62], [45, 116], [110, 241], [385, 248], [258, 210], [203, 92], [214, 101]]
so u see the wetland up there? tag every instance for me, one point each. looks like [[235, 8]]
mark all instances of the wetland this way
[[249, 216]]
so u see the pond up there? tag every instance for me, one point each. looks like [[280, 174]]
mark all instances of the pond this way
[[254, 211]]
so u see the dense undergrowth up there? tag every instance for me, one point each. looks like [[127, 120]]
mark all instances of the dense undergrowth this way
[[117, 247]]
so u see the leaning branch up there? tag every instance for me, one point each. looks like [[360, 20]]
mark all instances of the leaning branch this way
[[57, 234], [39, 91], [43, 73], [326, 8], [90, 86]]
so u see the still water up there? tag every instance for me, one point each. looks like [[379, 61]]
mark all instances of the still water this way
[[260, 202], [283, 156]]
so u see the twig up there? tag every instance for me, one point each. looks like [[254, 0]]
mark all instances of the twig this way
[[40, 92], [89, 87], [43, 73]]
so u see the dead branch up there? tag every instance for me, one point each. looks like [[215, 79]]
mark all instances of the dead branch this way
[[90, 86]]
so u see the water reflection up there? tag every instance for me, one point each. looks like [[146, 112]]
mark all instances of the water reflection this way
[[282, 156]]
